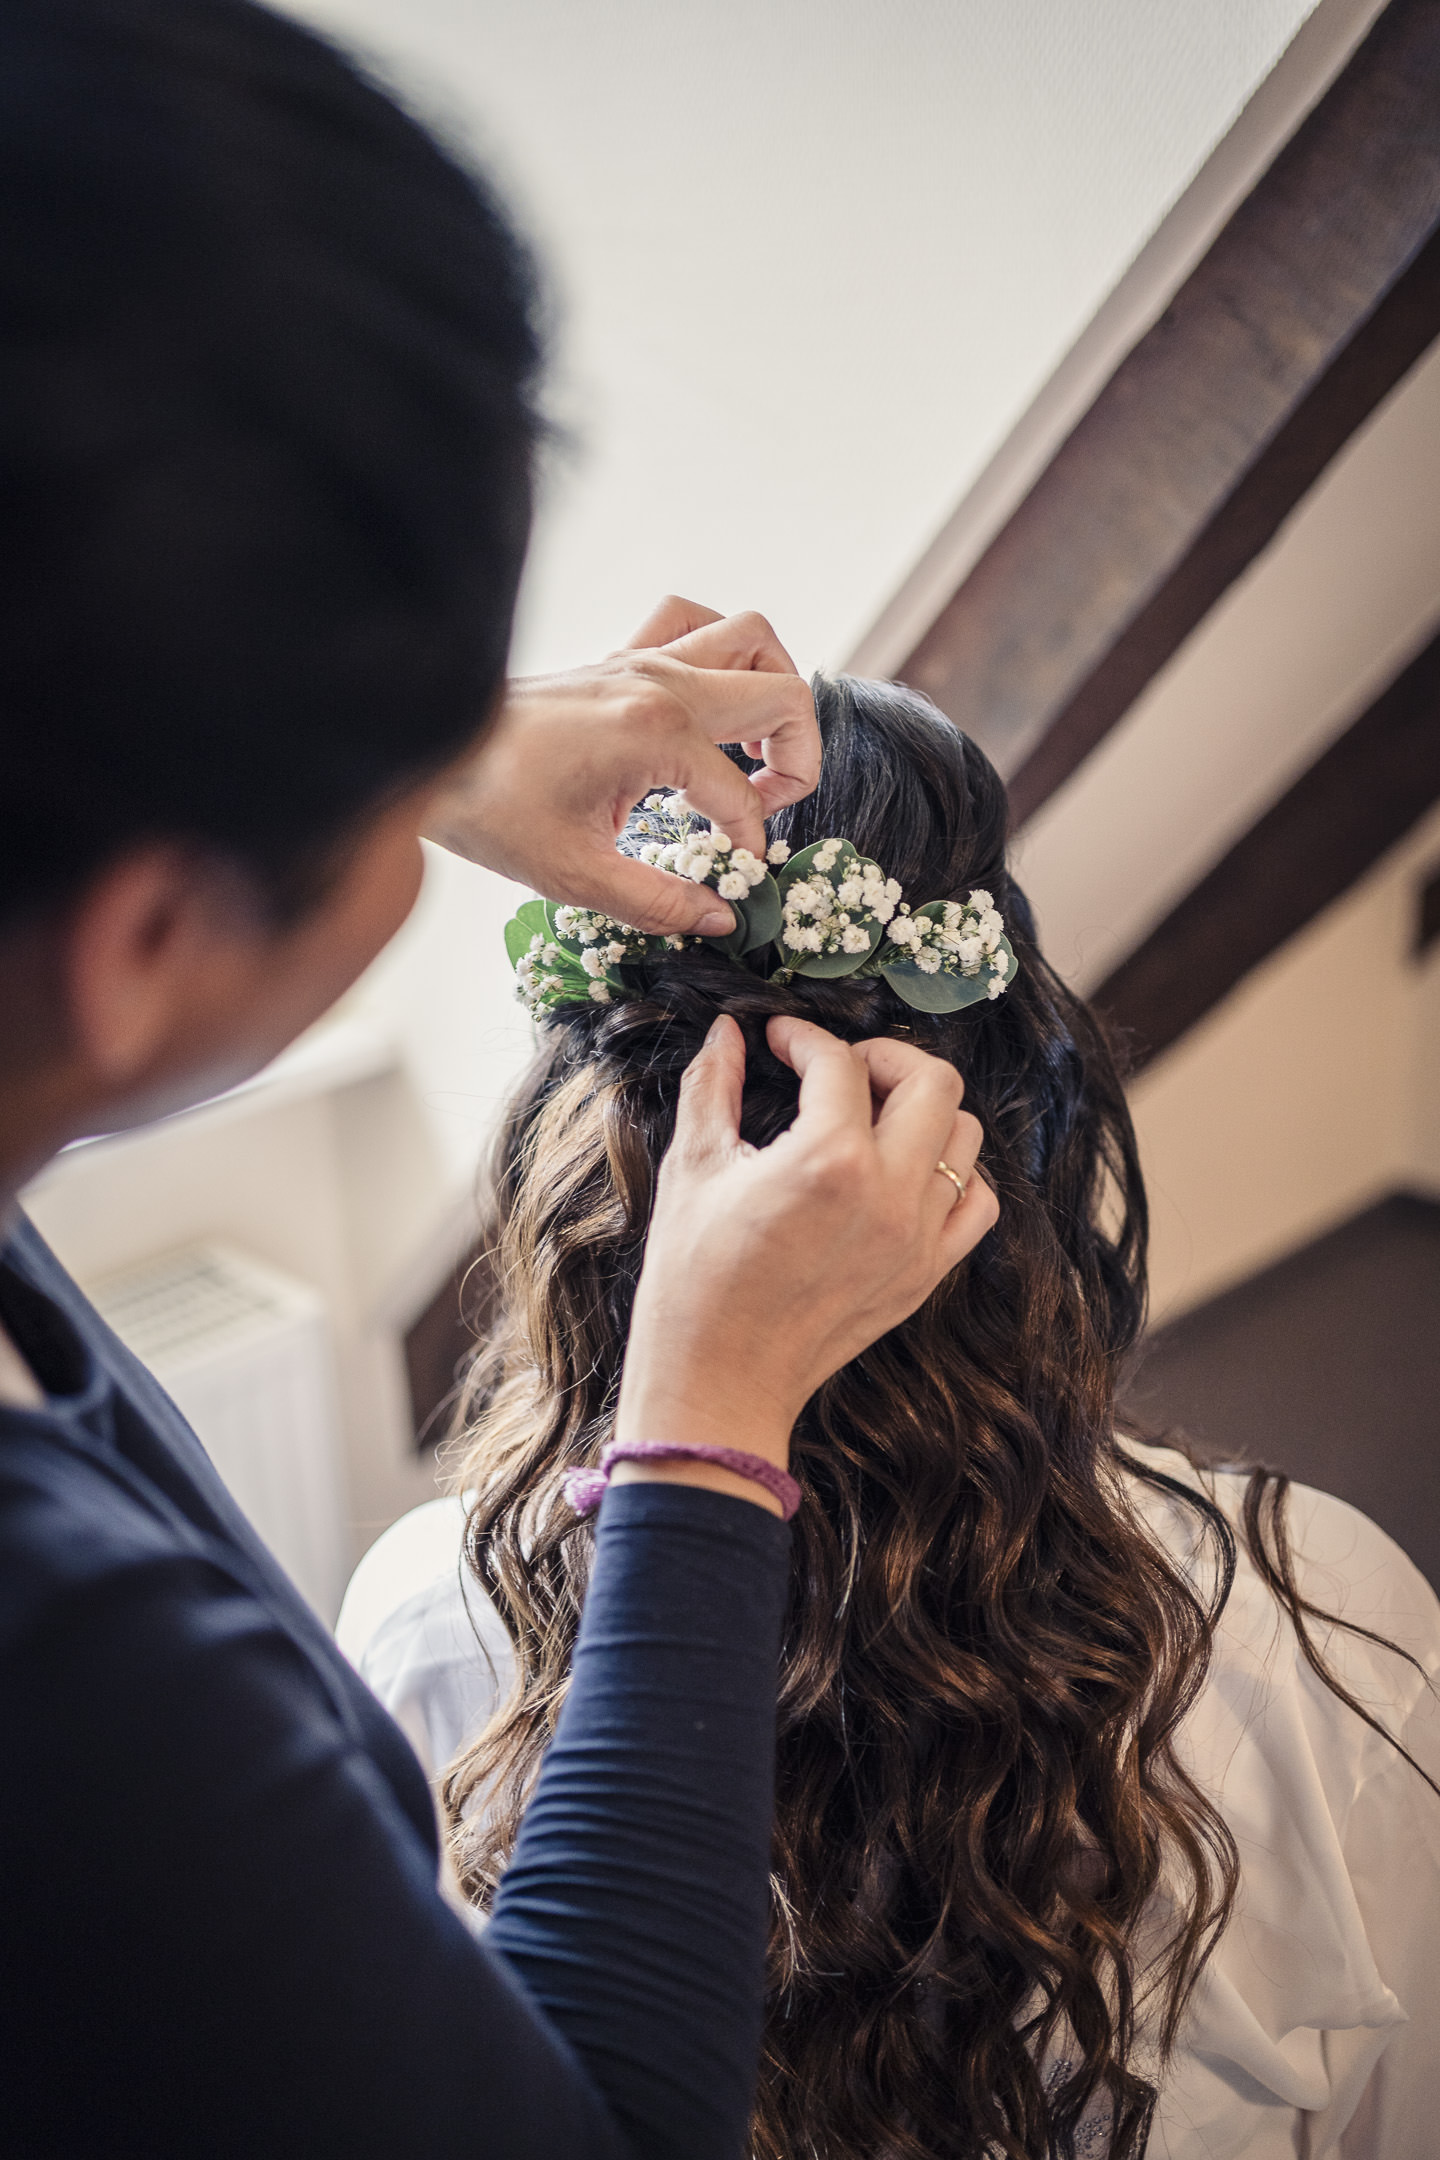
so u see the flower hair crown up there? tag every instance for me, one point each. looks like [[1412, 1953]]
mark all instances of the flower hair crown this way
[[826, 912]]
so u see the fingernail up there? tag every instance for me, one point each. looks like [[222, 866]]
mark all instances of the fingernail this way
[[718, 923], [715, 1029]]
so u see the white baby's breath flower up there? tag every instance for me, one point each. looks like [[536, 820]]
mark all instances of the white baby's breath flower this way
[[592, 962], [650, 852], [614, 953], [854, 939], [996, 986], [902, 932], [600, 992], [718, 841], [980, 900], [777, 853], [733, 886], [928, 960], [566, 919], [676, 944]]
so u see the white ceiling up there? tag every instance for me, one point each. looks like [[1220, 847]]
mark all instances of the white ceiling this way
[[812, 258]]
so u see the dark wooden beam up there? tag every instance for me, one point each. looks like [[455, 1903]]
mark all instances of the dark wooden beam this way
[[1318, 295], [1361, 796], [1406, 322]]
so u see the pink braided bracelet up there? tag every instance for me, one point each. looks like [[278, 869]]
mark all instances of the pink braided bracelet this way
[[584, 1488]]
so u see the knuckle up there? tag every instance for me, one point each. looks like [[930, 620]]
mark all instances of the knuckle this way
[[652, 706], [838, 1164], [942, 1076]]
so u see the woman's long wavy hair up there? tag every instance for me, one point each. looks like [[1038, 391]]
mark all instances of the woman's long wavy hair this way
[[994, 1882]]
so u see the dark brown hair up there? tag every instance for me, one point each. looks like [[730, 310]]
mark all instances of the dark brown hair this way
[[987, 1655], [269, 359]]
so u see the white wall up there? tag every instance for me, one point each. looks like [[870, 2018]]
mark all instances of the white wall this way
[[1313, 1090], [813, 258]]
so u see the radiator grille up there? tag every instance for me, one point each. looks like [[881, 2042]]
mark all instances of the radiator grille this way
[[244, 1352]]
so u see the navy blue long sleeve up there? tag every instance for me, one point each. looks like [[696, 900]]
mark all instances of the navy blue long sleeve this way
[[650, 1828], [219, 1932]]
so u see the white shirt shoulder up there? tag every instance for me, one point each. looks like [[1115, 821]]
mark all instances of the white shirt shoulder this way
[[417, 1626], [1315, 2028]]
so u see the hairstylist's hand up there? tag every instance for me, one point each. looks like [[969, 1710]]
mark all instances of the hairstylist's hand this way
[[569, 757], [767, 1269]]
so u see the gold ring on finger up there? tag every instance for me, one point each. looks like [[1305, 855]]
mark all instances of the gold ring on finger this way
[[961, 1185]]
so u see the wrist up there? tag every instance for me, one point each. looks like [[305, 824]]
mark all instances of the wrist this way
[[685, 1470], [695, 1417]]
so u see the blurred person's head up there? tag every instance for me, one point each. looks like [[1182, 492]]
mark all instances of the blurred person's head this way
[[986, 1655], [267, 363]]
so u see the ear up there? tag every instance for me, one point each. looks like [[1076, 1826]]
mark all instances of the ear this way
[[145, 935]]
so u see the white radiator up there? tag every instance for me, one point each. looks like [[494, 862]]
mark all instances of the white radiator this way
[[245, 1353]]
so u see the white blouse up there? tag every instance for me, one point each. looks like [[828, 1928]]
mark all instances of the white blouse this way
[[1314, 2032]]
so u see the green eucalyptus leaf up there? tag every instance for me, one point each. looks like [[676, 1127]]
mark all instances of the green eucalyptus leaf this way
[[799, 866], [828, 966], [733, 942], [526, 923], [761, 909], [942, 993], [933, 993], [757, 921]]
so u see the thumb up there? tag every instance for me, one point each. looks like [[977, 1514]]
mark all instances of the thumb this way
[[650, 899], [707, 1121]]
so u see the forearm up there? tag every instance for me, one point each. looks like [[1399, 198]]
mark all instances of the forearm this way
[[635, 1907]]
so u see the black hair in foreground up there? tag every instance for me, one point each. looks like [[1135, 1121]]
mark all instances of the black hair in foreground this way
[[268, 358]]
